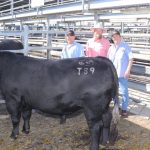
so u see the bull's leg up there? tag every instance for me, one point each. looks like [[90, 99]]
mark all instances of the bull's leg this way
[[95, 124], [62, 119], [95, 135], [15, 121], [26, 115], [106, 118], [13, 108]]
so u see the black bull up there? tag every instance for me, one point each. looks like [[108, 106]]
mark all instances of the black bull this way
[[60, 88]]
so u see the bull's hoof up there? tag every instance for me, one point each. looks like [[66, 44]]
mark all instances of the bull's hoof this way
[[26, 131], [105, 144], [63, 119], [105, 147], [13, 136]]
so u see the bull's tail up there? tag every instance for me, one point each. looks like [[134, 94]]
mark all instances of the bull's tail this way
[[115, 96], [115, 111], [115, 114], [114, 124]]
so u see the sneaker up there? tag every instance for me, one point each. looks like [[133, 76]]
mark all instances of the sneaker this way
[[124, 113]]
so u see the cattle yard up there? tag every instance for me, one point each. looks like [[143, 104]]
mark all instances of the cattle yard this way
[[66, 136], [59, 137], [42, 30], [139, 79], [48, 134]]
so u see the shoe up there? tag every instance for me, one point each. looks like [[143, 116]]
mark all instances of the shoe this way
[[124, 113]]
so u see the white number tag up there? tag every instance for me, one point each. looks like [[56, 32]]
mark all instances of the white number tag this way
[[85, 70]]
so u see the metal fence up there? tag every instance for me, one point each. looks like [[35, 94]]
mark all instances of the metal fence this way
[[12, 7]]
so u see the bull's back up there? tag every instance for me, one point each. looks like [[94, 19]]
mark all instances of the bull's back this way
[[58, 75]]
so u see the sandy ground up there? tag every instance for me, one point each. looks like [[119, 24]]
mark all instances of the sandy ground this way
[[48, 134]]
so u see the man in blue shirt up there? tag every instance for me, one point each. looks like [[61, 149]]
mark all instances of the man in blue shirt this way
[[121, 55], [72, 49]]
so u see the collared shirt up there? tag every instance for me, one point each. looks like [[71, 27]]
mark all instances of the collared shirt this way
[[72, 50], [120, 56], [97, 47]]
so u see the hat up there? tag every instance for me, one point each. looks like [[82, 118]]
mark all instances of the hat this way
[[98, 25], [115, 32], [70, 33]]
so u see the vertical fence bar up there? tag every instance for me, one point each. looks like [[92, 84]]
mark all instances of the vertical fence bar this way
[[12, 8], [49, 45], [25, 39], [49, 42]]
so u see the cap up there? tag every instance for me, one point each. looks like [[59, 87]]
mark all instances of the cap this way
[[98, 25], [70, 33], [115, 32]]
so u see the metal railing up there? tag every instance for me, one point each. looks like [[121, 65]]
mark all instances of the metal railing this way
[[25, 34], [50, 44], [11, 7]]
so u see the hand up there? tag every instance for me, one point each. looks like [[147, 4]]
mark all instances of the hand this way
[[127, 74]]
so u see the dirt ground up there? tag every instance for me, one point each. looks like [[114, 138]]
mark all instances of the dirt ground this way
[[48, 134]]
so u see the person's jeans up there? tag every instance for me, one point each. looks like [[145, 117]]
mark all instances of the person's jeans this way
[[123, 90]]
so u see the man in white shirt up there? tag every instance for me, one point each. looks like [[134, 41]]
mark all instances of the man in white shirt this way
[[121, 55], [72, 49]]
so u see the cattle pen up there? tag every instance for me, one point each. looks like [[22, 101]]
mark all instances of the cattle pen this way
[[138, 120], [41, 26]]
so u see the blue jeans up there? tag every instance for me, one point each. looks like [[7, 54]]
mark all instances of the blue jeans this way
[[123, 90]]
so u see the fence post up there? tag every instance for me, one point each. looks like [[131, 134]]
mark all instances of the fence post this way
[[25, 39], [48, 38], [49, 44]]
